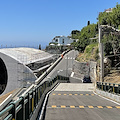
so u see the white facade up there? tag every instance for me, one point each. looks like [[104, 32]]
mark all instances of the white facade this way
[[108, 10], [62, 40]]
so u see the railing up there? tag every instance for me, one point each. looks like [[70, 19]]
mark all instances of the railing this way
[[50, 68], [25, 106], [109, 87]]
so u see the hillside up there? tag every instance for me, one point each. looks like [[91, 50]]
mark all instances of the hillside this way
[[90, 53]]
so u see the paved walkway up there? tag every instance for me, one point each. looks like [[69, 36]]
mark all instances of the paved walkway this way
[[66, 102], [75, 87]]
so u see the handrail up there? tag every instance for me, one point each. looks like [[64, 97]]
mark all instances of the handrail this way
[[50, 68], [24, 107], [109, 87]]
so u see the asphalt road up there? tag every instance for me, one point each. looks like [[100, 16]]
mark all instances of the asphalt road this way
[[65, 66], [77, 105], [82, 105]]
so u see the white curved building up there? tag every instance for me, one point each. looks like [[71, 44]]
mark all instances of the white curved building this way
[[17, 66]]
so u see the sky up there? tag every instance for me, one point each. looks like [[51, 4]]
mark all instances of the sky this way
[[34, 22]]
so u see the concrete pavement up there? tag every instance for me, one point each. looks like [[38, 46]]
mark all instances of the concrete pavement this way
[[75, 87], [80, 105]]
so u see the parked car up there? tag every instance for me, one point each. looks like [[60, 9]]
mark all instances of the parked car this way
[[86, 79]]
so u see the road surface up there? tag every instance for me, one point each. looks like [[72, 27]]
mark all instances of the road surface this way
[[80, 105]]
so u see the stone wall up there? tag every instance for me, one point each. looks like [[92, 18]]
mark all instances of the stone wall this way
[[93, 71], [82, 69]]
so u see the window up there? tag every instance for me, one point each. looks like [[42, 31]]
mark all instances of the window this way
[[56, 40], [63, 41]]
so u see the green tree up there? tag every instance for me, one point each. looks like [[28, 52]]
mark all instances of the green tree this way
[[111, 18], [84, 37]]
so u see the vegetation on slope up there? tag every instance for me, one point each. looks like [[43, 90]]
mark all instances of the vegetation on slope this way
[[110, 18], [84, 36], [90, 53]]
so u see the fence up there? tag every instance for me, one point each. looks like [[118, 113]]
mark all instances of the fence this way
[[109, 87], [25, 106], [32, 101]]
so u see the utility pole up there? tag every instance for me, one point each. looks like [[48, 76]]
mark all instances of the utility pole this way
[[67, 67], [101, 54]]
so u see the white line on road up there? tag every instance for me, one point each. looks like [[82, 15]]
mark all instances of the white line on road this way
[[72, 74], [106, 98]]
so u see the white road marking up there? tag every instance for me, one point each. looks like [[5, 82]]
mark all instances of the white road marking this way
[[69, 58], [72, 74], [106, 98]]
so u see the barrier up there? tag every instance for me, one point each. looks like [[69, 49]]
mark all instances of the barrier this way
[[109, 87], [28, 105], [24, 108], [50, 68]]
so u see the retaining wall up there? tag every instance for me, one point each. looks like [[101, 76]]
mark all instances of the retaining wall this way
[[86, 69]]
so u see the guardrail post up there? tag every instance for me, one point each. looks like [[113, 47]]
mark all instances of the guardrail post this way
[[98, 85], [14, 111], [39, 93], [28, 105], [102, 86], [109, 87], [118, 89], [36, 97], [23, 109], [105, 86], [52, 81], [33, 100], [113, 88]]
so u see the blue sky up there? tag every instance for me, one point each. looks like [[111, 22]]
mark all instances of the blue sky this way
[[34, 22]]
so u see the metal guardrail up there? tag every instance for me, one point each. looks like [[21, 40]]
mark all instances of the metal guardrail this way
[[24, 107], [109, 87], [50, 68]]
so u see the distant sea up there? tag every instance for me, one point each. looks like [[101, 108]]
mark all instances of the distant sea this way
[[28, 46]]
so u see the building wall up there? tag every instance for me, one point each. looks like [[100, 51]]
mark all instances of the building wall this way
[[86, 69], [19, 75], [66, 40]]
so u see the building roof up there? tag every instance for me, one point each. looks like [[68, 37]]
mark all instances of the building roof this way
[[109, 10], [26, 55]]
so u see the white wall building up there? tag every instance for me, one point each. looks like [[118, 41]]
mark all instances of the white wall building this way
[[62, 40], [108, 10]]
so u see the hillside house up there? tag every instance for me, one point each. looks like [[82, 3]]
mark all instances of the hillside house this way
[[62, 40]]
